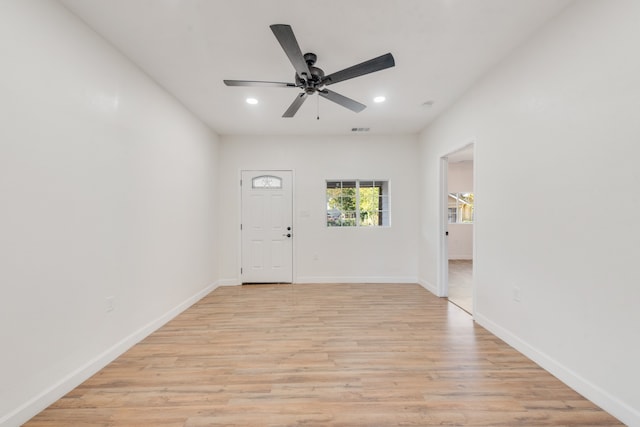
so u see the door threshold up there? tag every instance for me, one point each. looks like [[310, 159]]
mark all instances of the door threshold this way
[[460, 307]]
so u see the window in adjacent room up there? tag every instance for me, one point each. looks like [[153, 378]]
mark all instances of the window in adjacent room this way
[[460, 208], [357, 203]]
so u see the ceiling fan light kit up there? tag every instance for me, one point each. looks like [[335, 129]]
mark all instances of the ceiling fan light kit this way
[[312, 79]]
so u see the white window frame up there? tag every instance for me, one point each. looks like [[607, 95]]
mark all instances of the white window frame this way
[[384, 212]]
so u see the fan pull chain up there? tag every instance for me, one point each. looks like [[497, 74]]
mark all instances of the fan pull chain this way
[[318, 107]]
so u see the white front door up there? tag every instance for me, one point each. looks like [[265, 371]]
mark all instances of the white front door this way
[[267, 228]]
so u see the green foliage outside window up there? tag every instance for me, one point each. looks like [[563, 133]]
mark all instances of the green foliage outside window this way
[[356, 203]]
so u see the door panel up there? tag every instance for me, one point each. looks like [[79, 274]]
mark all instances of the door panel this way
[[267, 236], [256, 250], [277, 255]]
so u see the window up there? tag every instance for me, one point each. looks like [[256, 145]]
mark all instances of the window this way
[[460, 208], [357, 203], [453, 214]]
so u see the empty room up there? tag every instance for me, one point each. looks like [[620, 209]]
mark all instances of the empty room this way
[[238, 213]]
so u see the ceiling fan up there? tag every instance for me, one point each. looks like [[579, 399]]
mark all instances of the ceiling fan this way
[[312, 79]]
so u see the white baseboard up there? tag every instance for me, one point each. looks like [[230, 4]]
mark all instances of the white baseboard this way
[[625, 413], [356, 279], [37, 404], [229, 282], [428, 286]]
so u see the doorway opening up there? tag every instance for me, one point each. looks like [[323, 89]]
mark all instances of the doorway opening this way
[[457, 218]]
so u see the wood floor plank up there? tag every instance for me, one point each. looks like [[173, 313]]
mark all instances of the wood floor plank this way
[[318, 355]]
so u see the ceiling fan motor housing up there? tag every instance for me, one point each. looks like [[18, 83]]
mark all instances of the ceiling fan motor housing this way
[[316, 74]]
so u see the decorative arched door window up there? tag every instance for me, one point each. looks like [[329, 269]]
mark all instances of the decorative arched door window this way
[[266, 181]]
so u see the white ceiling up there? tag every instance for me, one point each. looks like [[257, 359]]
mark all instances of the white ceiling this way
[[441, 47]]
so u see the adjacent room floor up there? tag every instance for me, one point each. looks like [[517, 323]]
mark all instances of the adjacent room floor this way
[[460, 283], [322, 355]]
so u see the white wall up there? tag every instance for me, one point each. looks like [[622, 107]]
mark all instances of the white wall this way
[[321, 253], [460, 241], [460, 180], [108, 189], [460, 176], [557, 123]]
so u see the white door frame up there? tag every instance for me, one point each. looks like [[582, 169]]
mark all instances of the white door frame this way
[[443, 226], [443, 247], [293, 218]]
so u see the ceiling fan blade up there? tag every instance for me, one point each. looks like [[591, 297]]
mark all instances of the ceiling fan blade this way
[[289, 44], [295, 105], [342, 100], [257, 83], [370, 66]]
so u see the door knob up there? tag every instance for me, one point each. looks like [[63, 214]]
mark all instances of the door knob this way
[[287, 235]]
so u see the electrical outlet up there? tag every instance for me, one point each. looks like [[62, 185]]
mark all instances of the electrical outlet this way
[[516, 294], [111, 304]]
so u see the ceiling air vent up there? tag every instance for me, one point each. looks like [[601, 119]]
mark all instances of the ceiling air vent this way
[[360, 129]]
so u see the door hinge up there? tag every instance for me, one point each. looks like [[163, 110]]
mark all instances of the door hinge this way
[[240, 270], [240, 226], [240, 183]]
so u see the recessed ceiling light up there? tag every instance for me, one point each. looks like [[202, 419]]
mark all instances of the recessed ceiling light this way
[[428, 104], [252, 101], [379, 99]]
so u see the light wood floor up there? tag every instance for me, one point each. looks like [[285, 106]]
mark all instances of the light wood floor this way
[[460, 283], [322, 355]]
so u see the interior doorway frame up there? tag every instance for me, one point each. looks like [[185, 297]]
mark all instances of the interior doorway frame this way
[[443, 226]]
